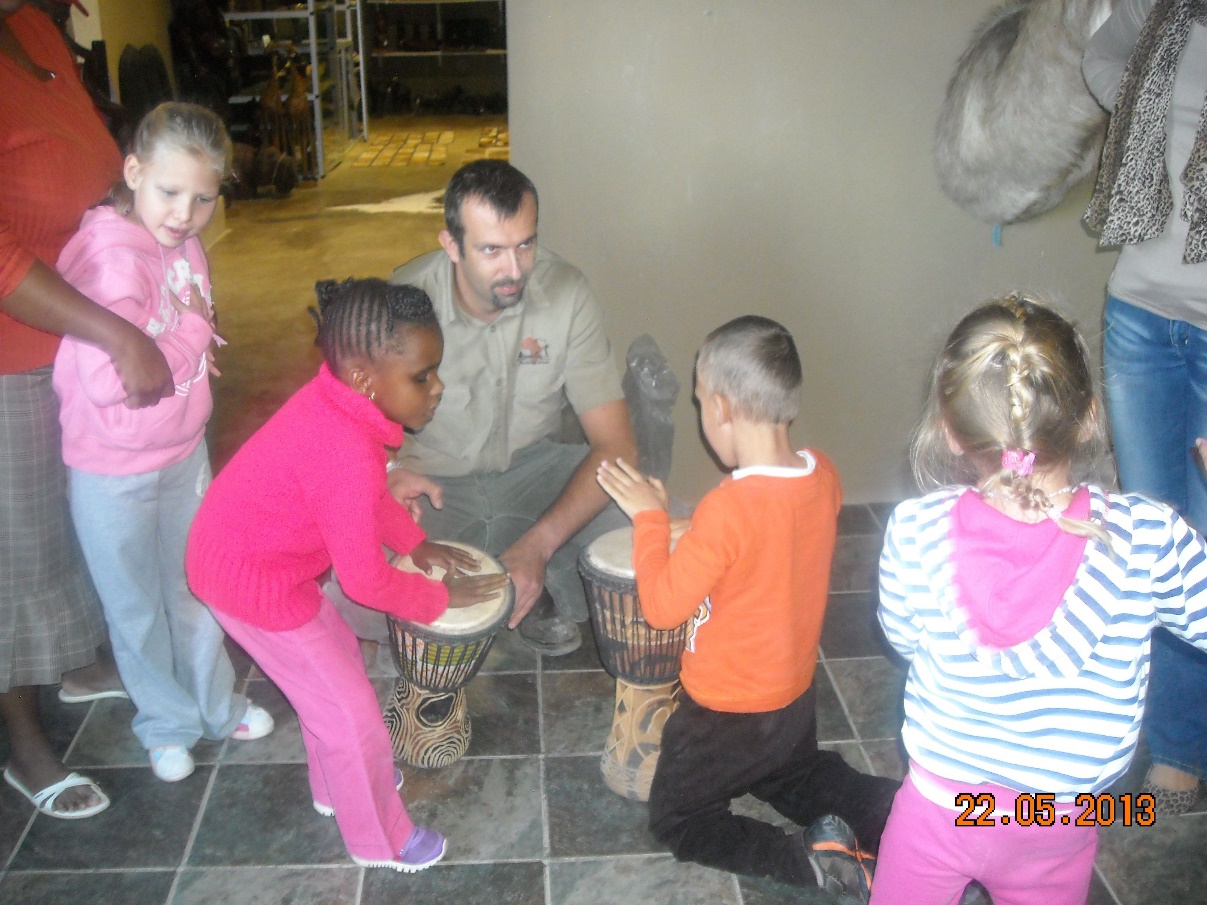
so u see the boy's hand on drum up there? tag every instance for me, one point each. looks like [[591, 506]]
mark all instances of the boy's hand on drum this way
[[452, 560], [467, 590], [632, 491]]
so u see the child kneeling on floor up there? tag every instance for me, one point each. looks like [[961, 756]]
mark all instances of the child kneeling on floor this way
[[757, 553], [308, 492]]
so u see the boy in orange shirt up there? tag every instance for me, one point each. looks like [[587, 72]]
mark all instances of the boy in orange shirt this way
[[757, 553]]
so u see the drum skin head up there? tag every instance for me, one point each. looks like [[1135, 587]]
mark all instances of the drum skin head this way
[[470, 619], [613, 553]]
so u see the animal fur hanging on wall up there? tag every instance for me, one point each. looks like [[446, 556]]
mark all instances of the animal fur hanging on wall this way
[[1018, 126]]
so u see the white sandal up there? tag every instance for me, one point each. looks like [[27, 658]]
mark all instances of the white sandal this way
[[45, 800]]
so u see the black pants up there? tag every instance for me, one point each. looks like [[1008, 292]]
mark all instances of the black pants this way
[[709, 758]]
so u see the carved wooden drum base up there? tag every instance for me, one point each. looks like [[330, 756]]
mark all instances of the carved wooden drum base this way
[[631, 752], [427, 728]]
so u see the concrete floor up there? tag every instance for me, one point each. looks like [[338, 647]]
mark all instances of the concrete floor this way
[[528, 817]]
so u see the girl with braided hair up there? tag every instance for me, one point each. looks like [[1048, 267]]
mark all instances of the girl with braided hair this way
[[308, 492], [1024, 597]]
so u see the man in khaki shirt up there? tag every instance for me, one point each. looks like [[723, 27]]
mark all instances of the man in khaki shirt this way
[[523, 333]]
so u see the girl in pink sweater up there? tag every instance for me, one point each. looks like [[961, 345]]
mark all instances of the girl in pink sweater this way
[[137, 475], [308, 492]]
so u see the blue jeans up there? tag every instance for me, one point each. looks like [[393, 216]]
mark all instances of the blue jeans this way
[[1156, 392], [168, 647]]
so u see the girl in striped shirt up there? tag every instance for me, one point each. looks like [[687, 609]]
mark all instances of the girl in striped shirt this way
[[1023, 596]]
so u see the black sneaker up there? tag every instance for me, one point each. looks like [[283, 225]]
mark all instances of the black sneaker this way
[[546, 632], [839, 866]]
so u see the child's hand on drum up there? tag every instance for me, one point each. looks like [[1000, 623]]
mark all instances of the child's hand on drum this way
[[467, 590], [632, 491], [451, 559]]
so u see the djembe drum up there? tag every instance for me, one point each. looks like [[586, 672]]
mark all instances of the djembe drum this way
[[427, 715], [643, 660]]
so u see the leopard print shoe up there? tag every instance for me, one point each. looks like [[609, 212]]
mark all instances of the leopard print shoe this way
[[1168, 802]]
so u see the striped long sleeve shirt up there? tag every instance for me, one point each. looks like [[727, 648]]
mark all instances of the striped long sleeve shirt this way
[[1059, 712]]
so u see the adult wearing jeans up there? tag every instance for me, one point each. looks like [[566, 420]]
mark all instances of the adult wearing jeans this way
[[1148, 65]]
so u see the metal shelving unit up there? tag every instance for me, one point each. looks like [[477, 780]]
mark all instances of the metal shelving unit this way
[[342, 41], [400, 32]]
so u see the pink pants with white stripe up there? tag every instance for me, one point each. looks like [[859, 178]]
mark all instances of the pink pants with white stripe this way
[[318, 667]]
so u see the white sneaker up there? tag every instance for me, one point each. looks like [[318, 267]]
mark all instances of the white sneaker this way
[[171, 763], [256, 723]]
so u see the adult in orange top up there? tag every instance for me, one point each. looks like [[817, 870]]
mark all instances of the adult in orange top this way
[[56, 161], [752, 573]]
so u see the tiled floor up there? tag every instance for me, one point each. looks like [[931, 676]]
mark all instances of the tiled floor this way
[[528, 817]]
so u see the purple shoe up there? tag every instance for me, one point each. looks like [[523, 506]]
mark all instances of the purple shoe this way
[[423, 849]]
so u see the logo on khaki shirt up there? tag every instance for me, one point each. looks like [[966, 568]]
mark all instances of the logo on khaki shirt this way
[[534, 351]]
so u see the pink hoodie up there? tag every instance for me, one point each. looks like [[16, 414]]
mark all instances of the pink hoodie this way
[[119, 265]]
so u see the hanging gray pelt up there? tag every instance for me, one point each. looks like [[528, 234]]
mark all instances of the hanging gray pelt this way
[[1018, 127]]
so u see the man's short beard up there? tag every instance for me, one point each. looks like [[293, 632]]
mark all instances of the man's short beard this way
[[501, 303]]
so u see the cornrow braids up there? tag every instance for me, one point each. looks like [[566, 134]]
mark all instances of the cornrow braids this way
[[363, 317], [1013, 382]]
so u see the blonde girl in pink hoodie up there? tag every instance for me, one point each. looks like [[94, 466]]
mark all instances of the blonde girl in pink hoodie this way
[[137, 475]]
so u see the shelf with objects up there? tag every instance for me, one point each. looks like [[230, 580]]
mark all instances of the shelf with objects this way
[[299, 68], [437, 56]]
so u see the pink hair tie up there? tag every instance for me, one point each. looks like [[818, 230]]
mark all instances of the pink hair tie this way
[[1018, 461]]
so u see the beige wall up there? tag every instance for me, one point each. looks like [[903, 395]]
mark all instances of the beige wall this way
[[700, 159]]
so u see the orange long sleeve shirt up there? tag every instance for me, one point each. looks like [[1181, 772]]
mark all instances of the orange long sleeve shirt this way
[[56, 161], [753, 574]]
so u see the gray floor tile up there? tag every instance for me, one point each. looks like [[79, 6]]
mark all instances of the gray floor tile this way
[[261, 814], [143, 887], [107, 739], [268, 886], [758, 891], [15, 813], [1161, 863], [872, 689], [852, 753], [749, 806], [857, 518], [489, 809], [624, 881], [509, 654], [887, 757], [283, 744], [241, 661], [586, 818], [521, 883], [147, 825], [882, 511], [855, 564], [832, 722], [586, 657], [503, 714], [850, 628], [61, 721], [578, 711]]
